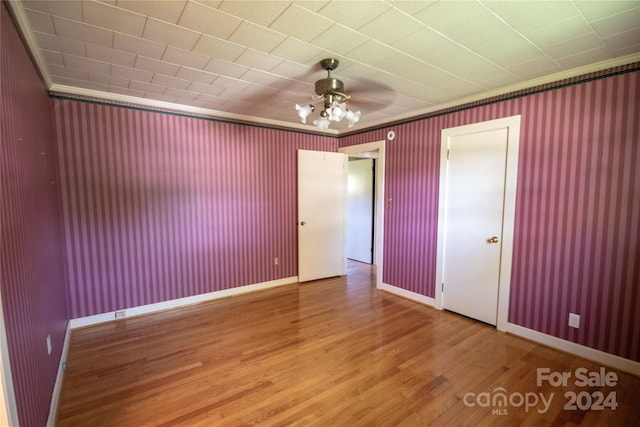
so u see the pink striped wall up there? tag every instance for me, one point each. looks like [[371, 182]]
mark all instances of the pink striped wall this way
[[578, 209], [159, 206], [31, 270]]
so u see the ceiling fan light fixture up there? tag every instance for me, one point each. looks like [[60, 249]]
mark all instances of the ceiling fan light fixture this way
[[330, 92], [304, 112]]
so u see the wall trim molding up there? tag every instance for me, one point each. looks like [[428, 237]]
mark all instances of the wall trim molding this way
[[57, 387], [81, 322], [413, 296], [611, 360]]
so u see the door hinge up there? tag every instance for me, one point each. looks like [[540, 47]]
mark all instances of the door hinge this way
[[448, 154], [442, 287]]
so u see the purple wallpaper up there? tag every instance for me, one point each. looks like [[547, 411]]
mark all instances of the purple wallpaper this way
[[159, 206], [577, 237], [31, 271]]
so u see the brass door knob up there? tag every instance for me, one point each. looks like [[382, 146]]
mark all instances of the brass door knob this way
[[494, 239]]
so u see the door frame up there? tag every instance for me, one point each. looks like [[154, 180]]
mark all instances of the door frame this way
[[511, 174], [8, 404], [378, 238]]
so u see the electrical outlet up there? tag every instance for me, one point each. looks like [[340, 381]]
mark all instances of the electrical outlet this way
[[120, 314], [49, 344], [276, 261], [574, 320]]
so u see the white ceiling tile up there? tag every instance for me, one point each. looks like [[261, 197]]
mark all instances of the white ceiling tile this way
[[574, 46], [595, 10], [591, 56], [256, 59], [259, 12], [170, 34], [64, 8], [226, 68], [194, 75], [72, 73], [573, 27], [230, 84], [52, 57], [291, 70], [339, 39], [138, 46], [463, 21], [411, 7], [507, 49], [107, 16], [185, 57], [202, 88], [215, 47], [422, 43], [131, 73], [109, 55], [628, 39], [146, 87], [260, 77], [208, 21], [529, 16], [181, 94], [83, 32], [60, 44], [301, 23], [297, 51], [168, 11], [90, 65], [256, 36], [619, 23], [536, 67], [40, 21], [372, 52], [155, 66], [391, 26], [127, 91], [354, 14], [108, 80]]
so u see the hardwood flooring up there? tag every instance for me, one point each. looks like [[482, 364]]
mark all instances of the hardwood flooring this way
[[334, 352]]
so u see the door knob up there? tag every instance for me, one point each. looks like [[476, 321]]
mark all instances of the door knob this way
[[303, 223], [494, 239]]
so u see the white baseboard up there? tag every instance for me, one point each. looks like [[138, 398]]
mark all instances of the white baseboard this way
[[611, 360], [626, 365], [180, 302], [413, 296], [57, 387]]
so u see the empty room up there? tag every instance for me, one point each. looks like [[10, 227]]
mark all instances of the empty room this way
[[319, 213]]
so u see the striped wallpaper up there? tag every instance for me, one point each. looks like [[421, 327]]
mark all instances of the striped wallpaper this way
[[31, 271], [577, 237], [158, 206]]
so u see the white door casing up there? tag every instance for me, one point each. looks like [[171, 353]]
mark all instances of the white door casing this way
[[322, 213], [378, 149], [476, 272]]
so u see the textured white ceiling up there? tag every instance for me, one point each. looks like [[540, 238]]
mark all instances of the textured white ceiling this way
[[254, 60]]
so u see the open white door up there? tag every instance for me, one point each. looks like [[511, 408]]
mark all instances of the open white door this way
[[322, 211]]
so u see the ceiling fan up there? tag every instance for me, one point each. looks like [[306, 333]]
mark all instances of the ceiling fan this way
[[331, 95]]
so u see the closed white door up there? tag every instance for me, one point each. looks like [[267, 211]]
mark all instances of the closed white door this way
[[475, 194], [322, 210], [360, 210]]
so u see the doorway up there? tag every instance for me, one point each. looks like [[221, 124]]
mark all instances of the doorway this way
[[374, 150], [360, 209], [478, 172]]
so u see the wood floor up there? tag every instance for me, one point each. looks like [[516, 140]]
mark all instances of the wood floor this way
[[333, 352]]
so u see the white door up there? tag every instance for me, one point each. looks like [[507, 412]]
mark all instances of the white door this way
[[322, 208], [475, 191], [360, 211]]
